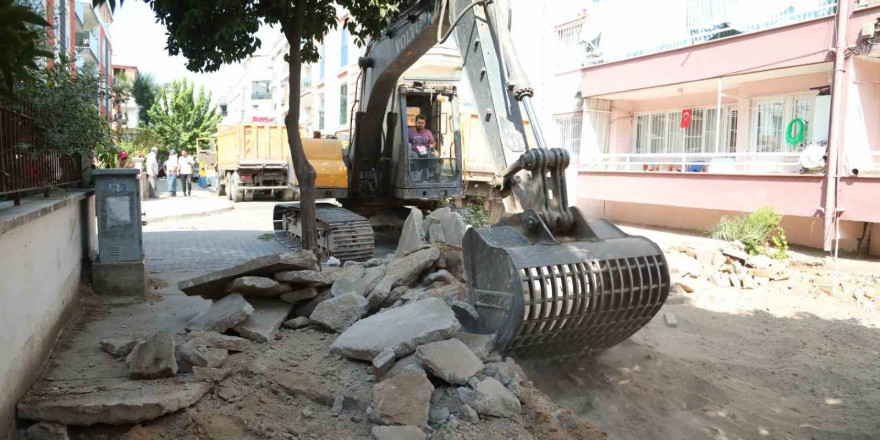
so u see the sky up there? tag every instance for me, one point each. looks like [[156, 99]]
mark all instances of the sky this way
[[139, 41]]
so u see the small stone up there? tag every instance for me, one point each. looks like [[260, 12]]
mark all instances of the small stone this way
[[298, 295], [468, 414], [338, 402], [217, 340], [467, 315], [257, 287], [493, 399], [480, 345], [223, 314], [307, 413], [46, 431], [194, 353], [297, 323], [450, 360], [408, 363], [340, 313], [383, 362], [118, 346], [397, 433], [153, 358], [670, 319]]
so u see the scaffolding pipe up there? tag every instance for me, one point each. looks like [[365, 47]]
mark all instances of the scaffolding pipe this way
[[837, 91]]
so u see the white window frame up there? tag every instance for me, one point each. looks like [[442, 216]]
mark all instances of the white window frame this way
[[789, 109], [676, 143]]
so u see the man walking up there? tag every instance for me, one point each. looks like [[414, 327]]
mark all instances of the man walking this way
[[171, 166], [152, 170], [185, 170]]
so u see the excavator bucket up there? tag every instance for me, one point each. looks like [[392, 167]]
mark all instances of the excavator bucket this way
[[562, 298]]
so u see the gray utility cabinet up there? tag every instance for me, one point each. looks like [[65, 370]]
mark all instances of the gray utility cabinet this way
[[118, 206]]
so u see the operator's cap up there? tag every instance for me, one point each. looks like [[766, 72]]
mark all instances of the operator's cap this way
[[173, 151]]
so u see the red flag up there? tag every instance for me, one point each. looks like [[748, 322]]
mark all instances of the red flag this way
[[686, 115]]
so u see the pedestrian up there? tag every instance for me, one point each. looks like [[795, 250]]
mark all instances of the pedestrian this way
[[171, 166], [185, 170], [152, 170]]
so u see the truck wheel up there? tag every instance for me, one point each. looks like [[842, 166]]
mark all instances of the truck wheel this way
[[236, 194]]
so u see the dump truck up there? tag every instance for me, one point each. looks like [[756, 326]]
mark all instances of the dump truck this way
[[254, 158]]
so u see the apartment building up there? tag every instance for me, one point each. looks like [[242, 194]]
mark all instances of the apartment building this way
[[79, 31], [125, 109], [714, 110], [249, 99]]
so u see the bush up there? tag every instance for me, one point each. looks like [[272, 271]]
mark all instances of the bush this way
[[757, 231], [476, 213]]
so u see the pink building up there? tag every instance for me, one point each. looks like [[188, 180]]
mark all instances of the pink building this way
[[706, 108]]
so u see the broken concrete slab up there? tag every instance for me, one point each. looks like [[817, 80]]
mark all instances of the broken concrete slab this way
[[371, 278], [224, 314], [408, 363], [435, 234], [339, 313], [119, 347], [352, 283], [121, 403], [448, 293], [453, 226], [401, 329], [211, 286], [379, 295], [305, 278], [306, 308], [412, 235], [383, 362], [195, 353], [397, 433], [395, 294], [257, 287], [493, 399], [296, 296], [466, 314], [297, 323], [226, 342], [402, 400], [153, 358], [480, 345], [441, 275], [406, 270], [450, 360], [262, 325], [46, 431]]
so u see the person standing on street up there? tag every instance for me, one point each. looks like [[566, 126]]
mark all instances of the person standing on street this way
[[171, 166], [152, 170], [185, 170]]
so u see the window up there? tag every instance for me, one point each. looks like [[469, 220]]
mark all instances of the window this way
[[321, 63], [306, 79], [661, 132], [260, 90], [321, 111], [343, 104], [773, 115], [343, 53]]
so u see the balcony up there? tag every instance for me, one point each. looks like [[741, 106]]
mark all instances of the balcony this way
[[85, 12], [87, 48], [79, 11]]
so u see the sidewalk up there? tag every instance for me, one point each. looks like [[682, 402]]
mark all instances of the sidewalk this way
[[203, 202]]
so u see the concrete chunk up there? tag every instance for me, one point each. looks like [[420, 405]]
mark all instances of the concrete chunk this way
[[397, 433], [226, 342], [435, 234], [211, 286], [194, 353], [412, 235], [408, 363], [449, 360], [402, 400], [466, 314], [224, 314], [153, 358], [480, 345], [262, 325], [406, 270], [493, 399], [307, 307], [118, 346], [296, 296], [383, 362], [127, 402], [453, 226], [297, 323], [257, 287], [304, 278], [401, 329], [46, 431], [372, 276], [339, 313], [351, 282]]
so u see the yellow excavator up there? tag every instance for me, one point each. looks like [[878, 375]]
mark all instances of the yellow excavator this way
[[547, 281]]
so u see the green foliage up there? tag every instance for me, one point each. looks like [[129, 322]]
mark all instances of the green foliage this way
[[67, 110], [180, 115], [476, 213], [144, 91], [757, 231], [266, 236], [22, 35], [122, 88]]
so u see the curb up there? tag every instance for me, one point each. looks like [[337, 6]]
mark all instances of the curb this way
[[150, 220]]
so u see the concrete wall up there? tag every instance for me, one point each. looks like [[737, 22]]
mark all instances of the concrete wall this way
[[39, 284], [804, 231]]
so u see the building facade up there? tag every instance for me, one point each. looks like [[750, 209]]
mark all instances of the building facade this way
[[715, 111], [249, 98], [125, 109]]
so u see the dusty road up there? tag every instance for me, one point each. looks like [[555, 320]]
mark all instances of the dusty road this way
[[784, 361]]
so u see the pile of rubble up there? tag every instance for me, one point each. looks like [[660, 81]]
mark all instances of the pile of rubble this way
[[692, 266], [401, 317]]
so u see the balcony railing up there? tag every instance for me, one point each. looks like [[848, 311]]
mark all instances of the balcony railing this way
[[617, 30], [719, 163]]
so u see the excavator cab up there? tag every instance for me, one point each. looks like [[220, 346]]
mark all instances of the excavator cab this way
[[433, 173]]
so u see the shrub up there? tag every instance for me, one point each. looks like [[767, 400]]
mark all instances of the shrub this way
[[476, 213], [757, 231]]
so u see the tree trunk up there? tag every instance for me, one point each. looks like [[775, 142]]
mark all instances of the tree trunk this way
[[305, 173]]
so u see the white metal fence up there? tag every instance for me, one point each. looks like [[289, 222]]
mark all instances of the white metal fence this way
[[721, 163], [569, 127]]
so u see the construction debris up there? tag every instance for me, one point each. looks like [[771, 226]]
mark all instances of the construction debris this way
[[339, 313], [153, 358], [450, 360], [212, 285], [401, 400], [47, 431], [257, 287], [397, 433], [265, 321], [223, 314], [118, 347]]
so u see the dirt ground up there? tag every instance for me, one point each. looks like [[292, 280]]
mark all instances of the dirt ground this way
[[783, 361]]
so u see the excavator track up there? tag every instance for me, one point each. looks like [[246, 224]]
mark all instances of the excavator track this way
[[341, 233]]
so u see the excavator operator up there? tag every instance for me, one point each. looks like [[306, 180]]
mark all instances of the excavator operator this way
[[422, 148]]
